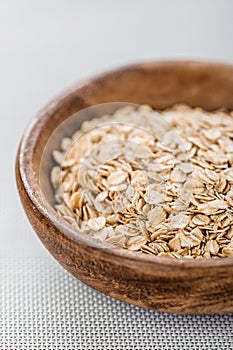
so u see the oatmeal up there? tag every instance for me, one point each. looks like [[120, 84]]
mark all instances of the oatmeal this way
[[162, 185]]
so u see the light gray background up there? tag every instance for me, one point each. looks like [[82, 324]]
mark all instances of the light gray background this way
[[45, 46]]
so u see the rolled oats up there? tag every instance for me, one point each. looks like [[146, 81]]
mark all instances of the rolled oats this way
[[162, 186]]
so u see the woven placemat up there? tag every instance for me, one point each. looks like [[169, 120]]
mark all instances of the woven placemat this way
[[44, 307]]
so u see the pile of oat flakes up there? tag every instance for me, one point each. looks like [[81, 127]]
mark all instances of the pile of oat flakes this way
[[159, 185]]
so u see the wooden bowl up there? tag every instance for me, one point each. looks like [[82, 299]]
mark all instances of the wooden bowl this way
[[177, 286]]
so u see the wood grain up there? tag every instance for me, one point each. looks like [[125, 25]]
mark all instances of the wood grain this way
[[177, 286]]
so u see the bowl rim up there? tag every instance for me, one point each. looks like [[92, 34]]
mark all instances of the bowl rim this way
[[31, 183]]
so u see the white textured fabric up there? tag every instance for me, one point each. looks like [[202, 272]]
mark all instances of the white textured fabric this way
[[44, 307]]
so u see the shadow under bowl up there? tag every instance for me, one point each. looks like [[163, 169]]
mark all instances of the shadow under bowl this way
[[163, 284]]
